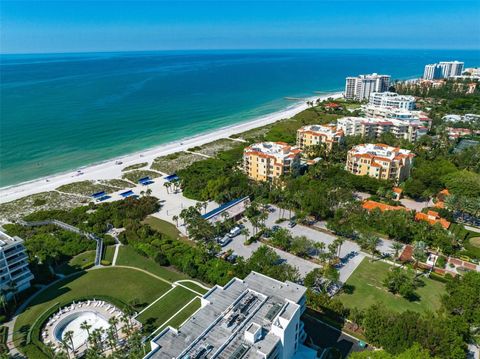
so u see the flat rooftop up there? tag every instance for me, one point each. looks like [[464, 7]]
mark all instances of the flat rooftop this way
[[275, 149], [252, 305], [379, 150], [6, 240]]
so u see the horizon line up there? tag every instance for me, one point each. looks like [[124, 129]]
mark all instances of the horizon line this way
[[237, 49]]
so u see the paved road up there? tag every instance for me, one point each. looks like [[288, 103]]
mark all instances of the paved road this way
[[316, 235], [325, 336]]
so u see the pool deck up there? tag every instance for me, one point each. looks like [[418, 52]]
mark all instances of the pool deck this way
[[101, 308]]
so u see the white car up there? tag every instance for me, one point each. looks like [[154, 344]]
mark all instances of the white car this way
[[235, 231]]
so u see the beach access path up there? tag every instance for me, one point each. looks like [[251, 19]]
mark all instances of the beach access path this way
[[111, 170]]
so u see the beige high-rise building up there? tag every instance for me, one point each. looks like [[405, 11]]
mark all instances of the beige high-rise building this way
[[314, 135], [268, 161], [380, 161]]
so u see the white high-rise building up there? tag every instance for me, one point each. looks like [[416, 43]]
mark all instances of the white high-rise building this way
[[451, 68], [392, 99], [360, 87], [257, 317], [14, 271], [443, 70], [432, 72]]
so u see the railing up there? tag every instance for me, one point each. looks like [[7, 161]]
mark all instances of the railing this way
[[70, 228]]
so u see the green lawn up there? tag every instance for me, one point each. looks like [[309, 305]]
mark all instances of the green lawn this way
[[195, 287], [368, 289], [121, 284], [109, 252], [165, 308], [127, 256], [163, 227], [75, 264]]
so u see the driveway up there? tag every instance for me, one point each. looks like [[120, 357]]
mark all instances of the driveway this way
[[237, 245]]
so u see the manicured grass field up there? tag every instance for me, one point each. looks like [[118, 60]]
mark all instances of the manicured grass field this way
[[109, 252], [122, 284], [163, 227], [75, 264], [160, 312], [127, 256], [368, 289], [195, 287]]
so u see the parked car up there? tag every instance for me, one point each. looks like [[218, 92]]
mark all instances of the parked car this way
[[275, 228], [225, 240], [292, 224], [235, 231]]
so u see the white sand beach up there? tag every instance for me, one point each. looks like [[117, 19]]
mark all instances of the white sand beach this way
[[109, 169]]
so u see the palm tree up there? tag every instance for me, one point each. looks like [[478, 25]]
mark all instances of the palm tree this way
[[339, 245], [113, 321], [175, 218], [85, 326], [68, 336], [319, 247], [372, 241], [245, 232], [112, 337], [65, 346], [396, 246], [167, 186], [148, 192]]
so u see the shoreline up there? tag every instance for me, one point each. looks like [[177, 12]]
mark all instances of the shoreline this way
[[109, 170]]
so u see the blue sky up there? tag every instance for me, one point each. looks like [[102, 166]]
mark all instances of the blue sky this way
[[76, 26]]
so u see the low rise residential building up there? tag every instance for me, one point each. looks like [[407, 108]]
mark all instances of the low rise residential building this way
[[233, 209], [456, 133], [392, 100], [360, 87], [432, 218], [469, 117], [370, 205], [313, 135], [258, 317], [268, 161], [14, 272], [380, 161], [375, 127]]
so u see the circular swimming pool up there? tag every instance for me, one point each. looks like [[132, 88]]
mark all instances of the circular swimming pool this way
[[73, 322]]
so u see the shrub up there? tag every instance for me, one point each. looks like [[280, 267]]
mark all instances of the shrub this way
[[88, 265], [105, 262]]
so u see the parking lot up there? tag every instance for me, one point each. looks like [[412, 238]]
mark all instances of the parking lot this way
[[305, 266]]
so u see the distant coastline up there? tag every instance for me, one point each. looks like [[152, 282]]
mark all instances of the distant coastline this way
[[108, 169]]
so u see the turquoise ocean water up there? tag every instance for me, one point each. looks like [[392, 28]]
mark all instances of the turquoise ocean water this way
[[62, 111]]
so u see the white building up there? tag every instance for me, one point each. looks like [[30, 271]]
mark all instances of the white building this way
[[432, 72], [396, 113], [360, 87], [375, 127], [443, 70], [392, 99], [14, 271], [469, 117], [258, 317]]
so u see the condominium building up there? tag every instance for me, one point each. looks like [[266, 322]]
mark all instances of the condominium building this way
[[410, 130], [396, 113], [432, 72], [443, 70], [360, 87], [313, 135], [268, 161], [258, 317], [14, 271], [380, 161], [392, 100]]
